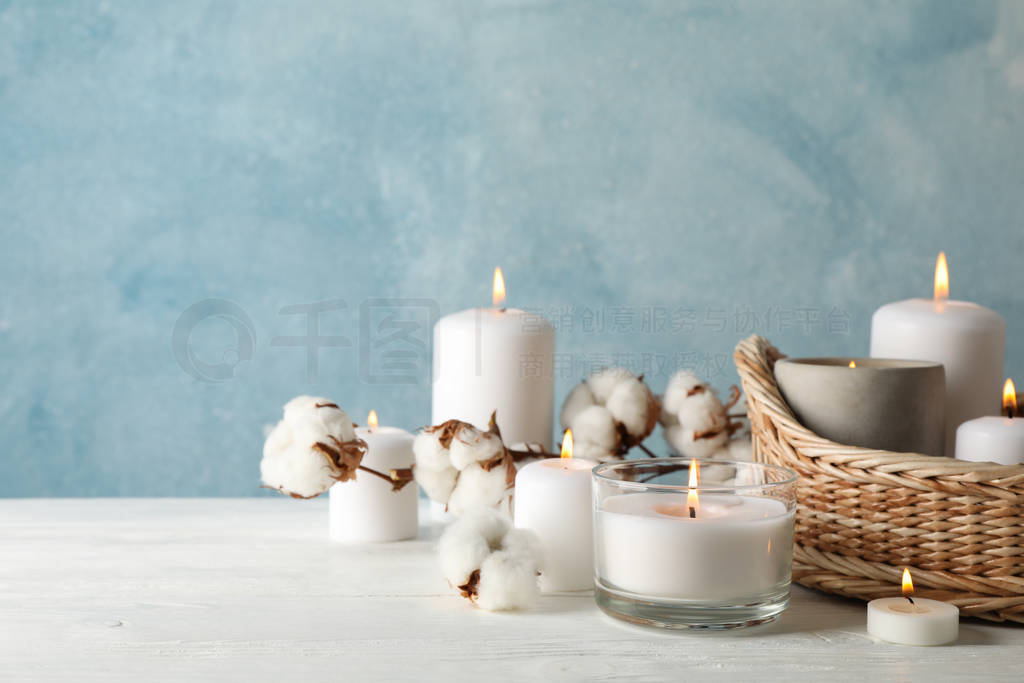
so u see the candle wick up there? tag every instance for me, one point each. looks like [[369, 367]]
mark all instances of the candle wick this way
[[693, 513], [909, 599], [502, 309]]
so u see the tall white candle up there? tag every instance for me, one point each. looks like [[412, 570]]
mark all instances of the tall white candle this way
[[496, 359], [367, 509], [968, 339], [552, 498], [735, 547], [991, 438]]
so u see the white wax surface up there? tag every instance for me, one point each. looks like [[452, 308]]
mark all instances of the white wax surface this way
[[991, 439], [926, 622], [367, 510], [552, 498], [487, 360], [737, 546], [968, 339]]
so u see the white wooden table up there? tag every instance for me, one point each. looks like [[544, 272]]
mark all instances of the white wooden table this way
[[251, 590]]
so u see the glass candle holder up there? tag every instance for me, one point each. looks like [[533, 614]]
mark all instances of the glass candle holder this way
[[693, 544]]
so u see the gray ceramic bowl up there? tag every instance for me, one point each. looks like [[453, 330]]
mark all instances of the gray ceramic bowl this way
[[893, 405]]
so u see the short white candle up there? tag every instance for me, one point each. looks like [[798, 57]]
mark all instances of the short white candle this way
[[994, 439], [367, 509], [914, 621], [735, 547], [496, 359], [552, 498], [968, 339]]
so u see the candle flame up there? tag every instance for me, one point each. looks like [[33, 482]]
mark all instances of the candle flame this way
[[371, 419], [941, 278], [908, 583], [1009, 398], [567, 444], [692, 500], [853, 364], [498, 292]]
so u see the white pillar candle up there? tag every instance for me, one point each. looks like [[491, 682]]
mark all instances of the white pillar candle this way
[[734, 548], [913, 621], [991, 438], [552, 498], [367, 509], [496, 359], [968, 339]]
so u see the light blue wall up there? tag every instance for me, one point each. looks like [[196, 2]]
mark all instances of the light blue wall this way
[[628, 157]]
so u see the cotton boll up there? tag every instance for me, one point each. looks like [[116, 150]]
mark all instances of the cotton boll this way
[[595, 425], [579, 398], [679, 387], [472, 445], [506, 583], [477, 487], [299, 407], [603, 382], [297, 470], [702, 412], [437, 484], [277, 439], [704, 447], [461, 550], [632, 404], [525, 546], [429, 452]]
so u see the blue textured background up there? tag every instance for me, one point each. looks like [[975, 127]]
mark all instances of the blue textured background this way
[[705, 159]]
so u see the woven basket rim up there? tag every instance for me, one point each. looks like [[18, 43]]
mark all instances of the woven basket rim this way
[[755, 359]]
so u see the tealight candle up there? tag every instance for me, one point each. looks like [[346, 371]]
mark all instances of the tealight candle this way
[[991, 438], [496, 360], [552, 498], [969, 340], [693, 553], [913, 621], [368, 509]]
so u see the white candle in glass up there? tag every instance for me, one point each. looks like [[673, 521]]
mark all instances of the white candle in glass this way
[[968, 339], [913, 621], [496, 359], [733, 548], [991, 438], [368, 509], [552, 498]]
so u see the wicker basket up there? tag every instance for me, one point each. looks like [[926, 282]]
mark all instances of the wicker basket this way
[[863, 514]]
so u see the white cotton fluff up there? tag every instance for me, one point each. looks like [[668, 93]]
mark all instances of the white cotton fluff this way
[[685, 441], [603, 382], [428, 451], [595, 436], [437, 484], [579, 398], [477, 487], [508, 559], [471, 445], [467, 542], [595, 408], [679, 387], [629, 403], [702, 412], [740, 448], [290, 464]]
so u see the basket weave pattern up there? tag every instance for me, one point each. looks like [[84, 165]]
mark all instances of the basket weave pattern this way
[[864, 514]]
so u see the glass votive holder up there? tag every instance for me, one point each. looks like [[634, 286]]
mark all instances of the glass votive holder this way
[[704, 544]]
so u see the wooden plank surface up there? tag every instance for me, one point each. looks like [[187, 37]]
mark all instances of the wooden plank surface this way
[[250, 589]]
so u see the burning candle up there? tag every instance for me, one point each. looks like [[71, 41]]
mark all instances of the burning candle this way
[[713, 549], [496, 359], [368, 509], [552, 498], [913, 621], [994, 439], [969, 340]]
